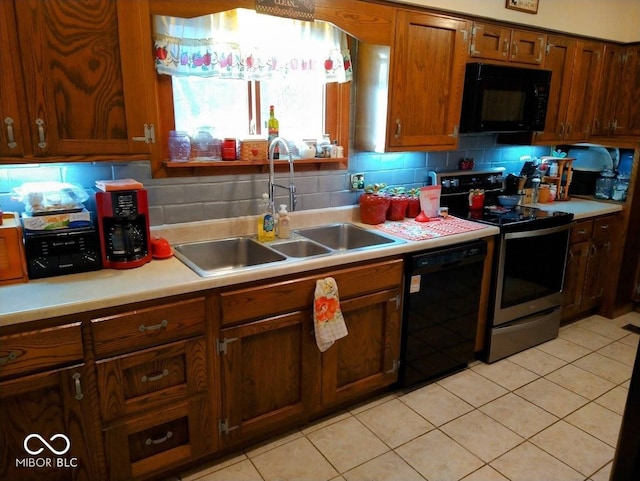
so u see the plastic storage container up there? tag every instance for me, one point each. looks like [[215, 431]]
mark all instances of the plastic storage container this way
[[179, 146], [604, 184]]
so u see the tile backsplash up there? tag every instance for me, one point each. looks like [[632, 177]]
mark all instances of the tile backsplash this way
[[186, 199]]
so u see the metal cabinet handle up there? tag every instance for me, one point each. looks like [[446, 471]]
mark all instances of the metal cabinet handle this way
[[154, 327], [11, 140], [41, 134], [604, 226], [7, 359], [505, 48], [161, 440], [515, 50], [157, 377], [582, 231], [78, 386], [398, 129]]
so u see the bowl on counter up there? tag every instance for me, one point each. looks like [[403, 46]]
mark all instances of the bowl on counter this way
[[508, 201]]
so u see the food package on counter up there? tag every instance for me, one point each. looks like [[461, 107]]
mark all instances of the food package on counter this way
[[67, 220], [42, 198]]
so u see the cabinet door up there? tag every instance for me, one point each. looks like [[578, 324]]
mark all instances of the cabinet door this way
[[427, 81], [490, 42], [53, 410], [367, 358], [12, 133], [628, 106], [70, 53], [559, 60], [583, 92], [527, 47], [269, 375], [608, 91], [574, 277], [596, 273]]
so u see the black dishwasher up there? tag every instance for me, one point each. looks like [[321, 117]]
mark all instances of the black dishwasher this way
[[440, 315]]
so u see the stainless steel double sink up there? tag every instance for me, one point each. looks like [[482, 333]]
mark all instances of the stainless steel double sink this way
[[216, 257]]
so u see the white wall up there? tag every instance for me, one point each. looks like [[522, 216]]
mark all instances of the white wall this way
[[617, 20]]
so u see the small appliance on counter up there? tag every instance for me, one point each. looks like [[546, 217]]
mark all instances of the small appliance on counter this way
[[123, 224], [61, 251]]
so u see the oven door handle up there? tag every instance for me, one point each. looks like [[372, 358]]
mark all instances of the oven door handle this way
[[536, 232]]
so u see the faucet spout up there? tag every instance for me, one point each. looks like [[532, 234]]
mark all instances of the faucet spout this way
[[272, 184]]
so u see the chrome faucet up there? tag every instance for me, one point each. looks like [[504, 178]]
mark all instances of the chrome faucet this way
[[272, 184]]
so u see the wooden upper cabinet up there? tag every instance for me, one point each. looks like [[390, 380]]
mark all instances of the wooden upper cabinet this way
[[605, 109], [559, 59], [584, 88], [575, 66], [427, 77], [495, 42], [80, 97], [628, 105]]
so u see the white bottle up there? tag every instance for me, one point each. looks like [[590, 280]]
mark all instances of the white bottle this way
[[284, 229]]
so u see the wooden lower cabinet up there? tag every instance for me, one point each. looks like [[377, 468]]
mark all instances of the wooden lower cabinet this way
[[43, 412], [156, 392], [273, 373], [164, 438], [587, 263]]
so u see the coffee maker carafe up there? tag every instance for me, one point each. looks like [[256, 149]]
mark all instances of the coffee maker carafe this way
[[123, 222]]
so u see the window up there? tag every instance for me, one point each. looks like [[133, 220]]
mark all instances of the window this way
[[225, 76]]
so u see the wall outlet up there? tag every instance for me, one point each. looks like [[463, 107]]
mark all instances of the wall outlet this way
[[357, 182]]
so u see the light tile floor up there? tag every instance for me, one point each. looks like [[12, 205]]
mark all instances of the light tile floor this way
[[551, 412]]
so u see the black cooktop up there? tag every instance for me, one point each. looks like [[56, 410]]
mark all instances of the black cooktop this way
[[520, 217]]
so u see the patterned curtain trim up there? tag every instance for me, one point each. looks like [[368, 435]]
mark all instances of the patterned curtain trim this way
[[206, 57]]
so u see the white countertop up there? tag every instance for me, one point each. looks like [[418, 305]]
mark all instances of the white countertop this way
[[74, 293]]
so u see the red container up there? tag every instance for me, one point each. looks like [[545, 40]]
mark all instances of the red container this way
[[373, 208], [397, 208], [229, 149], [413, 207]]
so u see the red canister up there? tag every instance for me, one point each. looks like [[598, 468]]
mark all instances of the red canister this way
[[229, 149]]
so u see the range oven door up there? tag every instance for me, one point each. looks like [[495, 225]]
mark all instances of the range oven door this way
[[530, 272]]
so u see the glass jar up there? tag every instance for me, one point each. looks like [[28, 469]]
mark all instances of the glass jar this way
[[179, 146], [604, 184], [620, 187]]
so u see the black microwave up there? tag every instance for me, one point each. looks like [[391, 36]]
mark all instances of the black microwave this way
[[497, 98]]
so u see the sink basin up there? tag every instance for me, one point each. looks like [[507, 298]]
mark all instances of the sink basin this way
[[300, 248], [345, 236], [213, 257]]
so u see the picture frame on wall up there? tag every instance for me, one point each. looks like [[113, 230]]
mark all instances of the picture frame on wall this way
[[527, 6]]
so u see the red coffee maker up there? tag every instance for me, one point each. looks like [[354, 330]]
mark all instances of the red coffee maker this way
[[123, 224]]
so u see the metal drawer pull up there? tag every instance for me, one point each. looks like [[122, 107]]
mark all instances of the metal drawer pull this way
[[11, 140], [41, 134], [161, 440], [582, 232], [604, 226], [155, 327], [7, 359], [76, 379], [157, 377]]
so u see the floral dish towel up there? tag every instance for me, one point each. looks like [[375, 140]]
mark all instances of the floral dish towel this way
[[328, 320]]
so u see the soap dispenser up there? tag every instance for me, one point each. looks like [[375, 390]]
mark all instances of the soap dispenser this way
[[284, 229], [266, 223]]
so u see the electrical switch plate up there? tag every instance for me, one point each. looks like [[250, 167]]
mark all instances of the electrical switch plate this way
[[357, 182]]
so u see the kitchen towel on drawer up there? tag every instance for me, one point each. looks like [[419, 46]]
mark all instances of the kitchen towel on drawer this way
[[328, 321], [148, 327]]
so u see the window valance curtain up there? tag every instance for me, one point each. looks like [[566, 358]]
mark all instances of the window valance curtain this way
[[243, 44]]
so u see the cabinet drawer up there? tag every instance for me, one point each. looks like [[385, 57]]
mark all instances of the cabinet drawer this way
[[159, 440], [603, 227], [297, 294], [581, 231], [148, 327], [136, 383], [41, 349]]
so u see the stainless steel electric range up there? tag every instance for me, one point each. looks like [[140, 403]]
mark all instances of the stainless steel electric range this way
[[529, 264]]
